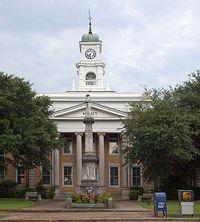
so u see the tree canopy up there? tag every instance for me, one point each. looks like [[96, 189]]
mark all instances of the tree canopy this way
[[27, 134], [163, 130]]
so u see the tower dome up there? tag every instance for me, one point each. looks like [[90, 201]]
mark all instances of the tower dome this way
[[90, 37]]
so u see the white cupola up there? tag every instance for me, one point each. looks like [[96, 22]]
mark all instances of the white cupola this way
[[90, 68]]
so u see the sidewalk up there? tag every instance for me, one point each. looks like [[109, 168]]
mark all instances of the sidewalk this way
[[59, 206], [53, 211]]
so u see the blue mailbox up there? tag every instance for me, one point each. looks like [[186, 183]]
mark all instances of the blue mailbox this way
[[160, 203]]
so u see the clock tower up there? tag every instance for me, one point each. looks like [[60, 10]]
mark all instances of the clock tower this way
[[90, 68]]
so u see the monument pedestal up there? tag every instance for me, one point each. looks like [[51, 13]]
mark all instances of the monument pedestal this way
[[89, 179], [89, 183]]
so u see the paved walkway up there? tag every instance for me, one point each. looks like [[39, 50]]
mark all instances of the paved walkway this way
[[59, 206], [80, 216], [52, 211]]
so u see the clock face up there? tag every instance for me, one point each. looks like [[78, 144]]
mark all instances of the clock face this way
[[90, 54]]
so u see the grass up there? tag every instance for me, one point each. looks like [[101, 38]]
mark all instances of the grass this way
[[173, 208], [15, 203]]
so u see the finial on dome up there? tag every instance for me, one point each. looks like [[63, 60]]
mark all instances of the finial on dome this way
[[90, 37], [90, 24]]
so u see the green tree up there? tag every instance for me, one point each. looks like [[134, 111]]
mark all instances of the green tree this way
[[27, 134], [188, 99], [159, 135]]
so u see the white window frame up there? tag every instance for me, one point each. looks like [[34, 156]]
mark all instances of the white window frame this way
[[67, 165], [136, 166], [42, 177], [118, 166], [71, 147], [90, 81]]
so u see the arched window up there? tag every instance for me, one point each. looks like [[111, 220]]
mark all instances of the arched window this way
[[90, 78]]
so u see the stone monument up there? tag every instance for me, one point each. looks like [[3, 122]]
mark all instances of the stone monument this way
[[89, 156]]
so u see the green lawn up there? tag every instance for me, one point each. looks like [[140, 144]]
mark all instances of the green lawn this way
[[15, 203], [173, 207]]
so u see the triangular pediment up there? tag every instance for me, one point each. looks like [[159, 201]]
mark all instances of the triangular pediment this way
[[98, 112]]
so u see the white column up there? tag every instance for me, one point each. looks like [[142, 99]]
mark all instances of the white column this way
[[79, 157], [52, 168], [124, 173], [56, 168], [101, 159]]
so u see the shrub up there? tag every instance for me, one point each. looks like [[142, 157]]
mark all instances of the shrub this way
[[196, 192], [7, 188], [135, 192], [106, 196], [21, 191], [141, 189], [73, 196], [89, 198], [83, 198], [49, 192], [172, 194], [46, 192]]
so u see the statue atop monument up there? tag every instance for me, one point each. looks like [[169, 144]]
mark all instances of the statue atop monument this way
[[88, 105]]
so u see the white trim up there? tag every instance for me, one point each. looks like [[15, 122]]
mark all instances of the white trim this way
[[50, 182], [118, 166], [81, 106], [79, 96], [69, 109], [67, 165], [136, 165], [96, 118]]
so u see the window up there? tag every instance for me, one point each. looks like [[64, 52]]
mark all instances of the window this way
[[46, 176], [67, 145], [113, 144], [67, 175], [90, 78], [114, 176], [136, 176], [113, 147], [19, 175], [1, 174]]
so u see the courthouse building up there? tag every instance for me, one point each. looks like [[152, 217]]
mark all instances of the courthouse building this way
[[109, 108]]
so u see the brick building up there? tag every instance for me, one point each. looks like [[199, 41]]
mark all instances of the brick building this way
[[108, 109]]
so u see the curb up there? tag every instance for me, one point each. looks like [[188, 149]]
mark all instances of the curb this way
[[105, 219], [70, 210]]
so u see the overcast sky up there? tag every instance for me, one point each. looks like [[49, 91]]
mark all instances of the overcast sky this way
[[145, 42]]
